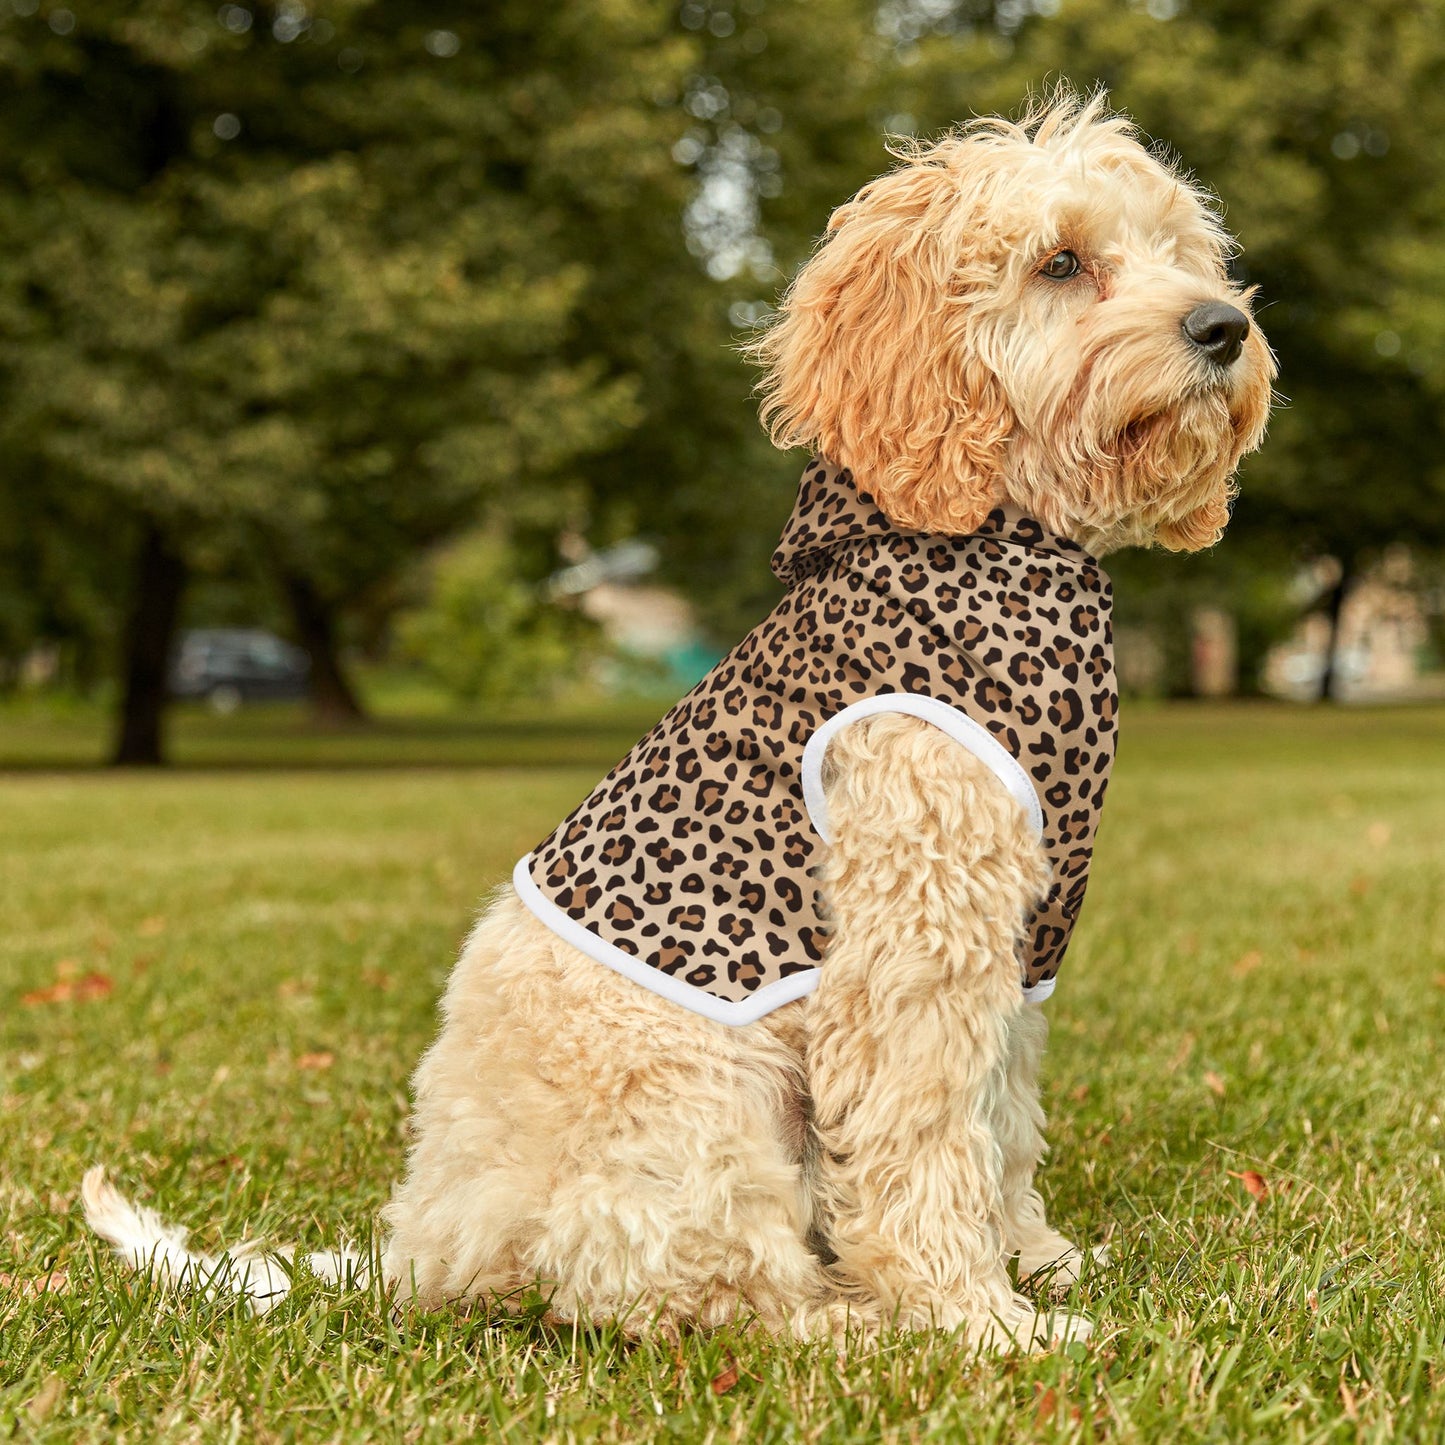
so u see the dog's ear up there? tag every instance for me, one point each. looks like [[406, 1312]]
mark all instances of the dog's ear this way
[[873, 362]]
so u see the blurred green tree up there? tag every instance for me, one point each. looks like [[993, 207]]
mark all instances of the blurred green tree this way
[[326, 284], [1318, 122], [485, 633], [323, 285], [782, 110], [316, 284]]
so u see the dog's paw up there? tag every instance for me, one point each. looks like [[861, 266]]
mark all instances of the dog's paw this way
[[1058, 1270], [1023, 1326]]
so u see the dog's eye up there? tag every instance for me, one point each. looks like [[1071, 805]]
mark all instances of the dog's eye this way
[[1060, 266]]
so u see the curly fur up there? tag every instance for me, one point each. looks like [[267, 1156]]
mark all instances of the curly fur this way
[[866, 1156], [920, 346], [646, 1164]]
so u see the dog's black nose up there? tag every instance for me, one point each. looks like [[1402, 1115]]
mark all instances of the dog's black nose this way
[[1218, 330]]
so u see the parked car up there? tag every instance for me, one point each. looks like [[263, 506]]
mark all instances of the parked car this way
[[230, 665]]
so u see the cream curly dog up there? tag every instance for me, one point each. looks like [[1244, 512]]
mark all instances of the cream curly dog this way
[[748, 1036]]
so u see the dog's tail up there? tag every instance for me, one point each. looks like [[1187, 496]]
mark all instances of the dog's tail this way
[[147, 1243]]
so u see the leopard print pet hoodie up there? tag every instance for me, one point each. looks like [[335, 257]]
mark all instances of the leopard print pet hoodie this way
[[690, 868]]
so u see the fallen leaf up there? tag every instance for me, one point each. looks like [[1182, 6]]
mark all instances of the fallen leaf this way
[[56, 1282], [1247, 963], [1255, 1184], [1080, 1094], [66, 990], [1046, 1408], [151, 927], [1214, 1083], [67, 968], [56, 993], [724, 1382], [322, 1059]]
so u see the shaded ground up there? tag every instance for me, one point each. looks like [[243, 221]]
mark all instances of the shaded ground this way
[[274, 735], [218, 980]]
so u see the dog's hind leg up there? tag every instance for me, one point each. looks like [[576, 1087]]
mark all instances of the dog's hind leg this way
[[576, 1134], [931, 872], [682, 1200]]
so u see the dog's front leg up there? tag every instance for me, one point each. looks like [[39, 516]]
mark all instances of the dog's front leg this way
[[1042, 1251], [931, 872]]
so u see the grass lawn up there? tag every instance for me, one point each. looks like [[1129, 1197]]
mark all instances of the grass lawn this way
[[217, 979]]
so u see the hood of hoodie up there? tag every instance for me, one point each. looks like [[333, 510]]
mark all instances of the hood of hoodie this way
[[832, 509]]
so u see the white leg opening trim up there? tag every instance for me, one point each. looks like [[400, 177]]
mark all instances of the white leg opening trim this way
[[958, 725], [689, 996]]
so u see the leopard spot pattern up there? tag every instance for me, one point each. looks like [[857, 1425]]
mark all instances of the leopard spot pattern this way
[[695, 854]]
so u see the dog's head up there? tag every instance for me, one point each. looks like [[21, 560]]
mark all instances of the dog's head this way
[[1035, 312]]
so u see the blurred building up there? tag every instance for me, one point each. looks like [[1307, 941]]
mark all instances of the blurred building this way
[[652, 629], [1382, 652]]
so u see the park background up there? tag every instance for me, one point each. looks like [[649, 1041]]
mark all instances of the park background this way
[[415, 342], [407, 333]]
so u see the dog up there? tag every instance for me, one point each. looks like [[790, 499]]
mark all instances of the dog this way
[[755, 1033]]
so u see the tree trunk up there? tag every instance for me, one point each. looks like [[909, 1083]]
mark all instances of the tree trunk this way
[[333, 699], [1329, 675], [160, 579]]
